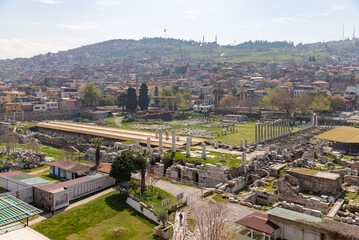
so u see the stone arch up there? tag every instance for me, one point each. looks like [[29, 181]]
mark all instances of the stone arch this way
[[195, 176], [179, 173]]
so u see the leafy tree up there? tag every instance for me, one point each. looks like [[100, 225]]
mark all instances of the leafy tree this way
[[181, 70], [234, 91], [108, 100], [218, 94], [167, 103], [162, 217], [287, 103], [143, 99], [303, 102], [320, 103], [229, 101], [272, 99], [122, 167], [122, 100], [91, 94], [131, 103], [180, 103], [166, 72], [157, 101], [97, 142], [201, 96], [187, 97], [336, 102]]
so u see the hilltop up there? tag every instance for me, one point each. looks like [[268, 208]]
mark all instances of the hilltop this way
[[168, 49]]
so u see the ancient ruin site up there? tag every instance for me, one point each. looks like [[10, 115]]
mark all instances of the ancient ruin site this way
[[294, 174]]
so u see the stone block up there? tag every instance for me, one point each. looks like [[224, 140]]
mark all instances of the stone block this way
[[316, 213]]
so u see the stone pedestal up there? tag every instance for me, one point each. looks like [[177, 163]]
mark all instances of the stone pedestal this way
[[204, 153], [137, 142], [223, 158]]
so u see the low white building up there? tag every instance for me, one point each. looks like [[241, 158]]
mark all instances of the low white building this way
[[202, 108]]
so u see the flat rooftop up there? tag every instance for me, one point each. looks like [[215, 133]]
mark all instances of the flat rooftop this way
[[292, 215], [115, 133], [27, 178]]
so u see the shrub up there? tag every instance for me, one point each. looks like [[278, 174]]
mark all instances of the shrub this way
[[159, 196]]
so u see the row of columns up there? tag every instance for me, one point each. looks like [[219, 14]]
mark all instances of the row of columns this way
[[267, 131]]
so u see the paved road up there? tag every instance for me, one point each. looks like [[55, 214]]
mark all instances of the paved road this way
[[76, 204], [175, 188]]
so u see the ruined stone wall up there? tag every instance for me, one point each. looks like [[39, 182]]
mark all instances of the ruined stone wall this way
[[208, 175], [265, 198], [41, 115], [306, 201], [318, 184]]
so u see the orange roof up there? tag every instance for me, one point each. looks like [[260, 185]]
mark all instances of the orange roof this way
[[104, 167]]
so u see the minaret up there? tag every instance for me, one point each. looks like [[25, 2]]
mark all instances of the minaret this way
[[343, 33], [215, 40], [203, 40], [136, 85], [354, 32]]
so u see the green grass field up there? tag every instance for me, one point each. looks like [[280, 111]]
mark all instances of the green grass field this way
[[231, 159], [150, 197], [105, 218]]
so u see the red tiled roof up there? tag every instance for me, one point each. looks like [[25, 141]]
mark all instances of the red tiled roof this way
[[9, 174], [258, 221], [55, 186], [62, 164], [105, 167]]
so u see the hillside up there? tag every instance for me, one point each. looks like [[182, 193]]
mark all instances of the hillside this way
[[168, 49]]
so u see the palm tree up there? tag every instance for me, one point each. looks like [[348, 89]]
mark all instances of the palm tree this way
[[97, 142], [142, 158]]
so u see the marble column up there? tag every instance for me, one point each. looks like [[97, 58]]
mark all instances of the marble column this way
[[244, 159], [174, 141], [204, 153], [261, 138], [14, 116], [271, 131], [188, 147], [268, 134], [156, 134], [255, 132], [167, 136], [241, 143], [245, 143], [23, 115], [264, 132]]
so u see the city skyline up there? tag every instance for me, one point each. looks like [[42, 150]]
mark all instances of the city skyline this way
[[41, 26]]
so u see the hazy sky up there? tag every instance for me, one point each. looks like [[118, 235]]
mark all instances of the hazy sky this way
[[30, 27]]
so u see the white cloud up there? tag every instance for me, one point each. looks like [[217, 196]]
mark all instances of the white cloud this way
[[108, 3], [283, 19], [18, 47], [54, 2], [191, 15], [81, 26], [332, 10]]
